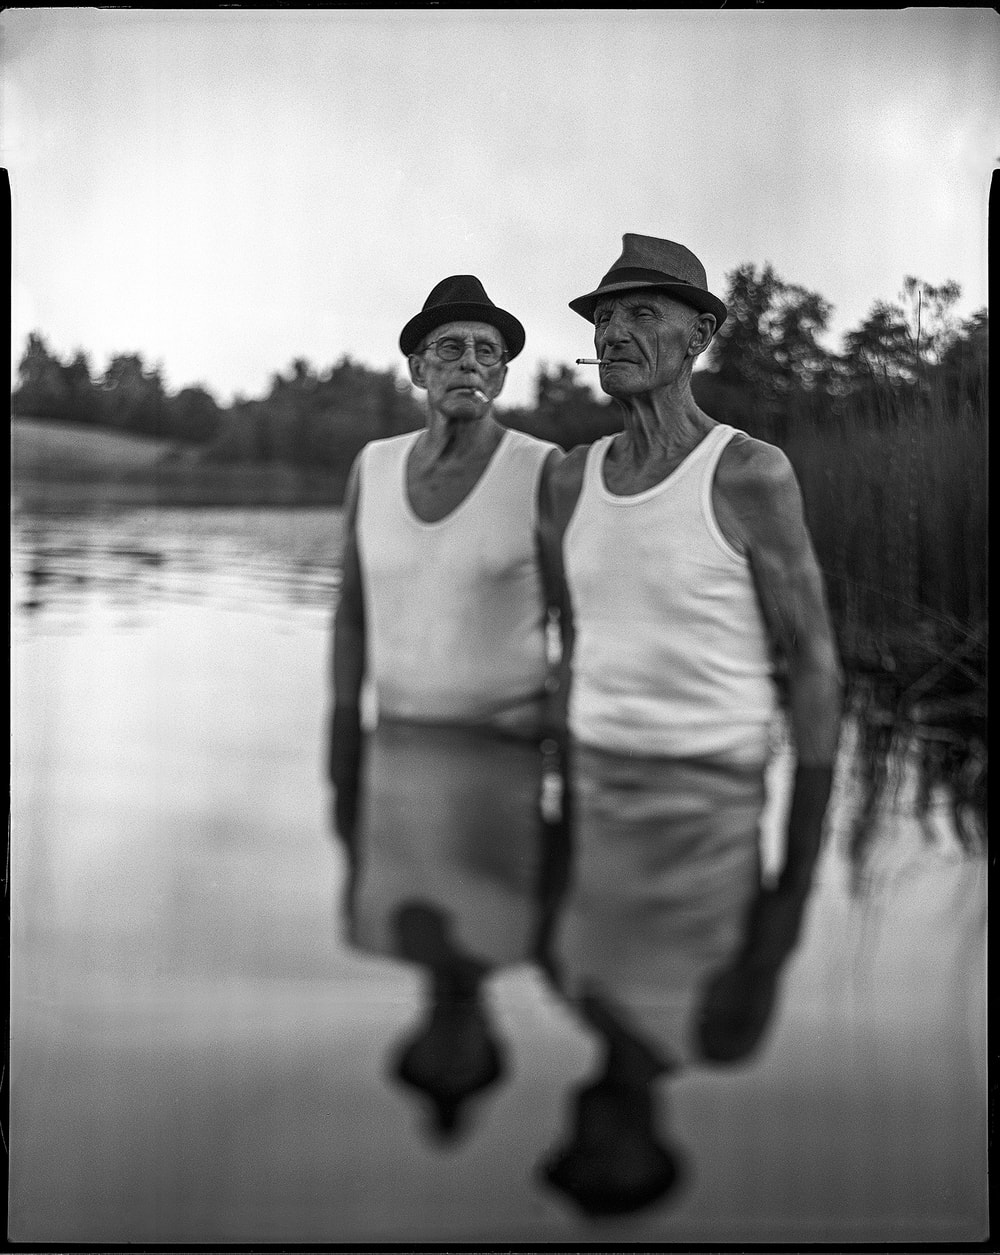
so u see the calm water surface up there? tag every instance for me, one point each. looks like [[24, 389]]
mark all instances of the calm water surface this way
[[204, 1049]]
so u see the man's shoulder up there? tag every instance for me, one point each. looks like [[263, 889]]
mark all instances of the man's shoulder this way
[[568, 471], [755, 492], [749, 464], [532, 450], [562, 486], [375, 458], [394, 442], [525, 438], [385, 450]]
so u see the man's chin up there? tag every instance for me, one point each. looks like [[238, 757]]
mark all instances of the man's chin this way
[[620, 380], [617, 388]]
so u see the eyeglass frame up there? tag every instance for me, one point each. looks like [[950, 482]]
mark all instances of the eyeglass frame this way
[[465, 342]]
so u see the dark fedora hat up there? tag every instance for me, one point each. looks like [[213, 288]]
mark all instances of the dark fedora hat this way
[[461, 298], [647, 262]]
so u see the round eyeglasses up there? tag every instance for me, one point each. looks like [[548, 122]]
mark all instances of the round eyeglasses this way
[[450, 349]]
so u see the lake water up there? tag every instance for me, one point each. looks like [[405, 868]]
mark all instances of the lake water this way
[[199, 1054]]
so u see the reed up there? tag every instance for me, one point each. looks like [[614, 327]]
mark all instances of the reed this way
[[895, 486]]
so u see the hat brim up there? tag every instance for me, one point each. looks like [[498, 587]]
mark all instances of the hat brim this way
[[463, 311], [704, 302]]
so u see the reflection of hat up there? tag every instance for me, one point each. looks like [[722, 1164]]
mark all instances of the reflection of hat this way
[[647, 262], [462, 297]]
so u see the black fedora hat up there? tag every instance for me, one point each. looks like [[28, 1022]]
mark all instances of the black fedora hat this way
[[647, 262], [456, 299]]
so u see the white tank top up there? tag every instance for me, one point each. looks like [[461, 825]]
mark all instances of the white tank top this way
[[455, 611], [672, 655]]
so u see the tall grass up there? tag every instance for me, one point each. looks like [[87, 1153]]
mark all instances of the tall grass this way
[[895, 485]]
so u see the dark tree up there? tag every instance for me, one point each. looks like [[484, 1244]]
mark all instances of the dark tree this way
[[766, 364], [133, 396], [769, 344], [42, 390], [192, 416]]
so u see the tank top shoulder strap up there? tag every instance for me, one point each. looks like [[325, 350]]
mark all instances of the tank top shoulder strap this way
[[713, 446], [515, 472], [382, 468], [526, 451], [594, 463]]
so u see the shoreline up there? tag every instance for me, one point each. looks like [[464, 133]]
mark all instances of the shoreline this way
[[225, 490], [65, 467]]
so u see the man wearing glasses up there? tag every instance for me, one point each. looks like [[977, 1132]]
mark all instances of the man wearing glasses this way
[[442, 608], [441, 625]]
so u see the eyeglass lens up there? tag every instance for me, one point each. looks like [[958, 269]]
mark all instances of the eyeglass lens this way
[[487, 353]]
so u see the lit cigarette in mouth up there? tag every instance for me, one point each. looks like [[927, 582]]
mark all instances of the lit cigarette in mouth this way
[[480, 395], [590, 361]]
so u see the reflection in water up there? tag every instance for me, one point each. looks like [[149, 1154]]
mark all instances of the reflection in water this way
[[197, 1058], [666, 864], [455, 1054], [921, 746], [453, 868], [136, 556], [915, 769], [448, 872]]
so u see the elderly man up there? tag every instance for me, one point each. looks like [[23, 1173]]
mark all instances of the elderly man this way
[[691, 579], [442, 624], [442, 606]]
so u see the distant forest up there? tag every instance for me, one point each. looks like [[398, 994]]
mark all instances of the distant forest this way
[[765, 369]]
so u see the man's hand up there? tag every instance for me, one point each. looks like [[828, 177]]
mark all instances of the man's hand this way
[[773, 930], [344, 768], [804, 833], [738, 1002]]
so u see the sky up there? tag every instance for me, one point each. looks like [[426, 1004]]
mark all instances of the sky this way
[[224, 191]]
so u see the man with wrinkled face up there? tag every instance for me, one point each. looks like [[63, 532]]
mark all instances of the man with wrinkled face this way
[[463, 383], [643, 338], [442, 608]]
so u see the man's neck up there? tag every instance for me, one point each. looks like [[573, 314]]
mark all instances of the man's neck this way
[[660, 429], [448, 439]]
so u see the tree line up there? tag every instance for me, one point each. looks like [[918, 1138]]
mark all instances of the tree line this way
[[765, 367]]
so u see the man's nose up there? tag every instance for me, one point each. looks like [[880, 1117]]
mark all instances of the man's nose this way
[[614, 330], [468, 359]]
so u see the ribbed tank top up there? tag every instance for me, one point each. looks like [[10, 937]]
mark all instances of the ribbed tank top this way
[[672, 655], [454, 609]]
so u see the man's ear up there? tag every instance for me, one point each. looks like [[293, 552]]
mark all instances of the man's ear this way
[[417, 367], [701, 334]]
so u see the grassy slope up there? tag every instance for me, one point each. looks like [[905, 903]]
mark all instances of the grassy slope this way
[[41, 449], [66, 464]]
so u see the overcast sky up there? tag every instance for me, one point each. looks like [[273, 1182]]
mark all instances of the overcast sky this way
[[223, 191]]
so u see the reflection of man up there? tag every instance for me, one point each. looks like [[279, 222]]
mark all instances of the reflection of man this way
[[447, 858], [443, 614], [690, 573]]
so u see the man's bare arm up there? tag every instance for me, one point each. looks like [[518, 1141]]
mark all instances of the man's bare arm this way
[[765, 505], [349, 661], [349, 649], [759, 506], [559, 491]]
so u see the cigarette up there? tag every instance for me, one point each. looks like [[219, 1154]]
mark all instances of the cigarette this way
[[589, 361], [478, 392]]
